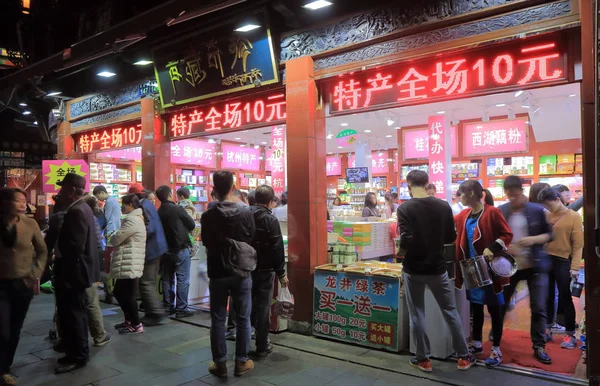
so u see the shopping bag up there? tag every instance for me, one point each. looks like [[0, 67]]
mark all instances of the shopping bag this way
[[284, 304]]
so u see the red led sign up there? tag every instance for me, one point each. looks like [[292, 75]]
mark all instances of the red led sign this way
[[517, 64], [116, 137], [228, 115]]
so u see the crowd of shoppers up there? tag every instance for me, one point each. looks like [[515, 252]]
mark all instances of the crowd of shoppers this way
[[541, 232]]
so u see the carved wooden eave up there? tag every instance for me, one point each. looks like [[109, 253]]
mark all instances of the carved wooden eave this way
[[447, 24]]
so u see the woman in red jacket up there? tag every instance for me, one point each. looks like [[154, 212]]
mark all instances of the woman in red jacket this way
[[482, 230]]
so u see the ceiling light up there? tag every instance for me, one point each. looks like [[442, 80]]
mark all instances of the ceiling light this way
[[35, 123], [343, 124], [264, 143], [106, 74], [536, 108], [260, 158], [247, 27], [256, 146], [26, 112], [237, 138], [367, 131], [486, 116], [501, 105], [143, 62], [242, 145], [572, 95], [211, 140], [329, 136], [455, 121], [340, 147], [390, 122], [389, 136], [441, 112], [318, 4], [511, 113], [518, 93], [54, 93], [525, 106], [23, 104]]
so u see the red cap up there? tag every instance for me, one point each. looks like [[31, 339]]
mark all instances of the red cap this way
[[136, 188]]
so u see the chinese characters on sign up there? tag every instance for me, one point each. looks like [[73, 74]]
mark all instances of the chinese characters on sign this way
[[415, 143], [193, 152], [496, 137], [54, 171], [437, 155], [515, 64], [357, 309], [199, 67], [333, 166], [227, 115], [124, 135], [278, 160], [243, 158], [379, 163]]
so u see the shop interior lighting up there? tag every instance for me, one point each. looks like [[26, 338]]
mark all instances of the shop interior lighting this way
[[35, 123], [511, 113], [536, 109], [23, 104], [54, 93], [247, 27], [237, 138], [380, 153], [243, 145], [142, 62], [26, 112], [211, 140], [263, 142], [318, 4], [500, 104], [572, 95], [343, 124], [329, 135], [389, 136], [390, 122], [340, 147], [518, 93], [442, 112], [256, 147], [367, 131], [455, 121], [106, 74]]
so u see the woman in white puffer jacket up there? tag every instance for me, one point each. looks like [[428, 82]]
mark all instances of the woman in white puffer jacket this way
[[127, 262]]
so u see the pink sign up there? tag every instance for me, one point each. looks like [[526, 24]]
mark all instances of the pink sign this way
[[193, 152], [437, 154], [416, 143], [54, 171], [131, 154], [278, 159], [379, 163], [243, 158], [333, 166], [496, 137]]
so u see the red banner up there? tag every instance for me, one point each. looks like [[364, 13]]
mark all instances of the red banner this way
[[496, 137], [437, 154], [114, 137], [278, 181]]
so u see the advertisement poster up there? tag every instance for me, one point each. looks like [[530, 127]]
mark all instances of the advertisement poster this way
[[379, 162], [415, 143], [497, 137], [193, 152], [278, 160], [470, 170], [242, 158], [333, 166], [357, 309], [437, 155], [54, 171]]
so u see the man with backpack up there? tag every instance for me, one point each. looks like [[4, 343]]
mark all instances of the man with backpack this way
[[227, 233]]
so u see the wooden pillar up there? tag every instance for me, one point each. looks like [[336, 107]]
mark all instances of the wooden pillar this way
[[307, 183], [65, 146], [156, 149], [589, 92]]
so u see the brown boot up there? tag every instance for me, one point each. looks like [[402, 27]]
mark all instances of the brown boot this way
[[218, 369], [7, 380], [242, 368]]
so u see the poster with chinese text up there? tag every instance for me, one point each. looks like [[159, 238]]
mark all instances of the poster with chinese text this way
[[54, 171]]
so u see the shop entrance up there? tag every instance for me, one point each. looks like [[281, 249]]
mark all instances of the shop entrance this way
[[533, 134]]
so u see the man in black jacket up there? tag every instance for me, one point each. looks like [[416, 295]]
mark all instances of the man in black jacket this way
[[177, 225], [268, 243], [224, 225], [76, 269]]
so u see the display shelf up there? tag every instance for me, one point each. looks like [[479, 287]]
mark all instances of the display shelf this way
[[111, 182]]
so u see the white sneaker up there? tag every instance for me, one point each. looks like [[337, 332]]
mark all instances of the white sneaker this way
[[557, 328]]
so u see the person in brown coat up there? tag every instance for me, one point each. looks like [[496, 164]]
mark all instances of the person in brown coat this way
[[23, 258]]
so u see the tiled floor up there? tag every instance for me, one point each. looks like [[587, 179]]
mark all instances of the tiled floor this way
[[178, 354]]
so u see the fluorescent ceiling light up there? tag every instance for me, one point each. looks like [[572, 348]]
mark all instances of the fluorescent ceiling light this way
[[242, 145], [247, 27], [501, 105], [211, 140], [441, 112], [367, 131], [380, 154], [318, 4], [35, 122], [329, 136], [26, 112], [572, 95], [54, 93], [525, 106], [106, 74], [340, 147], [264, 143], [256, 147], [237, 138], [23, 104], [143, 62], [343, 124], [389, 136], [390, 122], [518, 93]]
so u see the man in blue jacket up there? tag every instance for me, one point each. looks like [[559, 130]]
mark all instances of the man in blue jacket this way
[[530, 232], [156, 246]]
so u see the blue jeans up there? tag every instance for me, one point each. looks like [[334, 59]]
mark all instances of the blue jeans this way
[[176, 266], [240, 290]]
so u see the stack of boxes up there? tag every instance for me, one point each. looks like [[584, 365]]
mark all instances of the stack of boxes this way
[[368, 237]]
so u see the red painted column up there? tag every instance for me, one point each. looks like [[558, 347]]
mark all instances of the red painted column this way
[[307, 183], [156, 149]]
